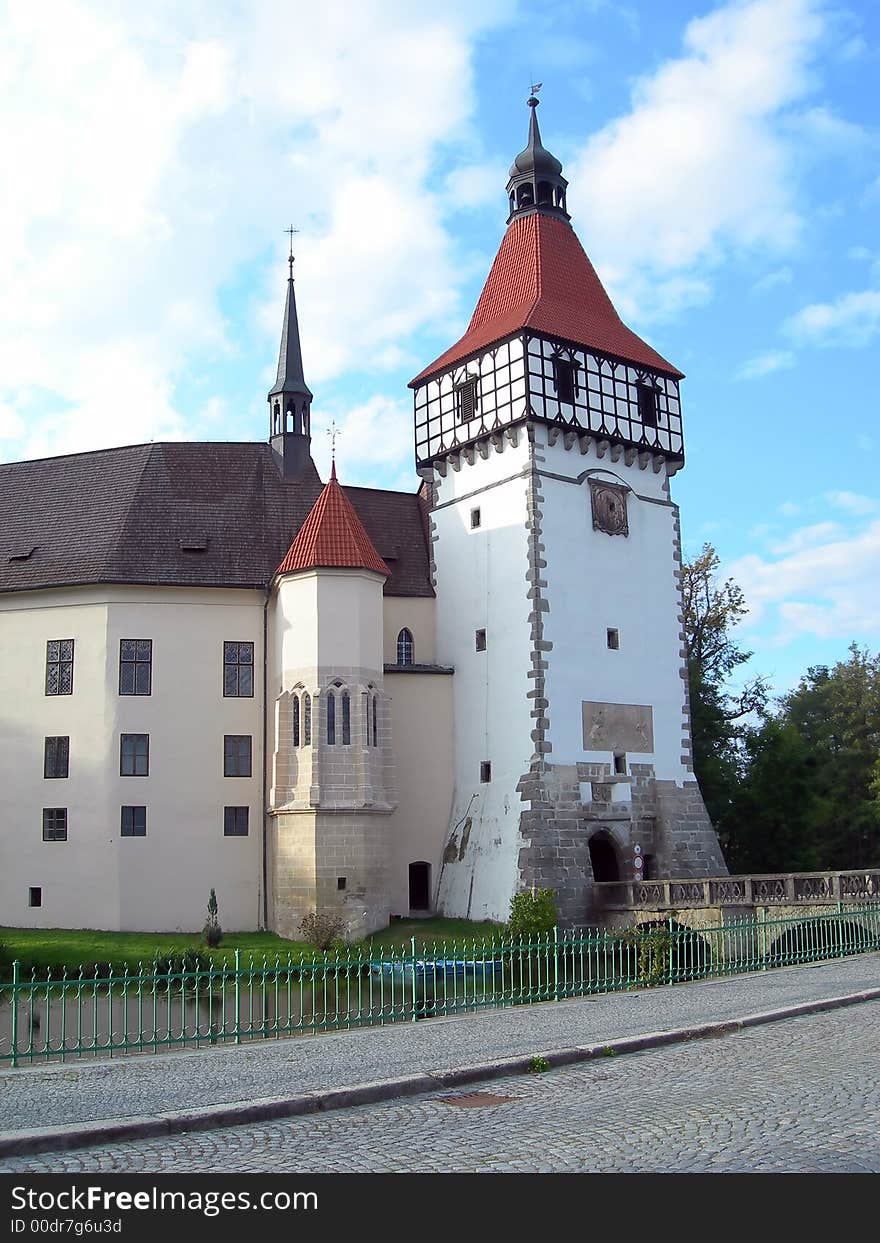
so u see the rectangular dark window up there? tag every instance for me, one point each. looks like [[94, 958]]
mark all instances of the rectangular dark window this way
[[133, 822], [237, 755], [647, 396], [612, 638], [476, 518], [134, 755], [480, 640], [235, 821], [619, 762], [340, 882], [59, 667], [564, 378], [485, 771], [56, 757], [54, 824], [135, 666], [466, 400], [35, 896], [238, 670]]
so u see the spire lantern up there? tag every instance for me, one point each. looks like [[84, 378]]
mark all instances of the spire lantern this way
[[536, 182], [290, 399]]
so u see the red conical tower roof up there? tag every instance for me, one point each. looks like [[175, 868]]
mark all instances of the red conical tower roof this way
[[542, 279], [332, 536]]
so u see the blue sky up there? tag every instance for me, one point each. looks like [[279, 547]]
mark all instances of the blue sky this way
[[725, 181]]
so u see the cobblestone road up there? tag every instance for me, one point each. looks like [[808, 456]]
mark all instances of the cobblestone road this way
[[800, 1095]]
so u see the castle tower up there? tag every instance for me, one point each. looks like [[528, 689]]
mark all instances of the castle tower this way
[[331, 787], [547, 437]]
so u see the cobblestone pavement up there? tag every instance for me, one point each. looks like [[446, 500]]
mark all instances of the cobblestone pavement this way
[[81, 1091], [798, 1095]]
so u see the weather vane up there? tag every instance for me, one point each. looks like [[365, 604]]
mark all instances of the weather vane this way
[[291, 232], [536, 86], [333, 431]]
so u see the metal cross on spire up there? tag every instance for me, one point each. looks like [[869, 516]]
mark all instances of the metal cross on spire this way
[[291, 230], [333, 431]]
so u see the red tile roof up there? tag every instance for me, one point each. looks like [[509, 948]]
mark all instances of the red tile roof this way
[[332, 535], [542, 279]]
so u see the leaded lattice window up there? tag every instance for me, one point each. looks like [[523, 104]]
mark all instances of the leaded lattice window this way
[[56, 757], [135, 666], [406, 648], [295, 710], [346, 719], [238, 670], [307, 720], [331, 719], [59, 667]]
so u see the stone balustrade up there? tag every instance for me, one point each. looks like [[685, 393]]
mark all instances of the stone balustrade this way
[[773, 889]]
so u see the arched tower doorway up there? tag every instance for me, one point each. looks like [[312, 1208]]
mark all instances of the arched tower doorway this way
[[603, 857], [420, 886]]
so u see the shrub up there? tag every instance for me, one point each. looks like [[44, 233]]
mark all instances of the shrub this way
[[212, 931], [322, 929], [533, 913]]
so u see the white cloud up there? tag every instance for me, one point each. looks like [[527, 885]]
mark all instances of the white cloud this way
[[764, 364], [851, 320], [807, 537], [827, 586], [373, 438], [778, 276], [159, 150], [701, 166], [853, 502]]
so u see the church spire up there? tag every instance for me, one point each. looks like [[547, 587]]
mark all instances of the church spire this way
[[290, 400], [536, 182]]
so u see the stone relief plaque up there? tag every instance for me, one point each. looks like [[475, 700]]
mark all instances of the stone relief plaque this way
[[609, 507], [618, 727]]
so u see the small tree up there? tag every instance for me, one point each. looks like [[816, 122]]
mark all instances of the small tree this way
[[322, 929], [212, 931], [533, 913]]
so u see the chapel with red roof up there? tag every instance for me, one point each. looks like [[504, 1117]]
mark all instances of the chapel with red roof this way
[[365, 704]]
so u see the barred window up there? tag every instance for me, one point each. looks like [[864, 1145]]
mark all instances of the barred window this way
[[331, 719], [235, 821], [237, 755], [296, 720], [56, 757], [54, 824], [134, 755], [406, 649], [59, 667], [307, 720], [133, 822], [135, 666], [238, 670]]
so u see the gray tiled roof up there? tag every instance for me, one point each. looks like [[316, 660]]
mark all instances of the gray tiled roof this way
[[121, 516]]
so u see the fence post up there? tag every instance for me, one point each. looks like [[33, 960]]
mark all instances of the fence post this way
[[16, 966], [555, 962], [670, 921], [237, 960], [415, 1000]]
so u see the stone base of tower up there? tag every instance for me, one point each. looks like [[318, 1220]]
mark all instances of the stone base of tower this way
[[329, 862], [582, 824]]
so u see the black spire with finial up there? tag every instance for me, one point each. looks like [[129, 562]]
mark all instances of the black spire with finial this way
[[290, 399], [536, 181]]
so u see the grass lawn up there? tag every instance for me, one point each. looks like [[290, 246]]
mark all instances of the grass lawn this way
[[44, 948]]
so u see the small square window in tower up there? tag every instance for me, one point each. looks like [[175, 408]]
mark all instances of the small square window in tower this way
[[647, 396], [612, 637], [480, 640], [565, 380], [35, 896], [476, 519], [485, 771], [466, 399]]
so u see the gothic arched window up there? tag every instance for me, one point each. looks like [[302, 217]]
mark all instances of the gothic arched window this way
[[375, 720], [331, 719], [405, 647], [346, 719], [307, 720], [296, 720]]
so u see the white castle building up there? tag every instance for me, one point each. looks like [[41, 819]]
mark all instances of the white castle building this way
[[217, 673]]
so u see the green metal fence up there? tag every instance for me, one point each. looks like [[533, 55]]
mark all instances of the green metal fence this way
[[194, 1000]]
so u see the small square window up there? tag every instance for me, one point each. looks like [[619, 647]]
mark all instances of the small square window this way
[[341, 882], [35, 896], [133, 822], [476, 518], [56, 757], [135, 666], [480, 640], [134, 755], [613, 638], [237, 755], [235, 821], [619, 762], [59, 667], [238, 670], [486, 771], [54, 824]]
